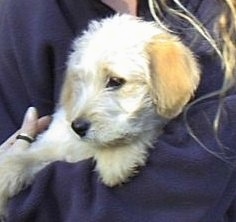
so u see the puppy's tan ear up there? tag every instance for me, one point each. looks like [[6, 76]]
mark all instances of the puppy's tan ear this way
[[174, 74]]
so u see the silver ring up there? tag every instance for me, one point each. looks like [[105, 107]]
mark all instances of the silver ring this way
[[24, 136]]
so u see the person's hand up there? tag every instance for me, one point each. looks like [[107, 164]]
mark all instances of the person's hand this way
[[31, 127]]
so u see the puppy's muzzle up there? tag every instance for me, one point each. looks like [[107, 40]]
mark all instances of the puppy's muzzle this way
[[81, 126]]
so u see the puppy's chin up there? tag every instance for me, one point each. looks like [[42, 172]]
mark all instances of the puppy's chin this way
[[104, 141]]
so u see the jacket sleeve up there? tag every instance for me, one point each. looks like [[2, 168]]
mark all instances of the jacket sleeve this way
[[231, 214], [34, 40]]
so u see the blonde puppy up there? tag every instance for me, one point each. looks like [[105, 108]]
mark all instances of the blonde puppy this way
[[125, 79]]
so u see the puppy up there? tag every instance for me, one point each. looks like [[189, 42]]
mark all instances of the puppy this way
[[125, 79]]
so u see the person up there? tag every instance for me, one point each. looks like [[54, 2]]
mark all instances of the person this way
[[190, 175]]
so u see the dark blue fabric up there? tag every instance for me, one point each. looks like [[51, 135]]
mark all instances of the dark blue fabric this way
[[182, 181]]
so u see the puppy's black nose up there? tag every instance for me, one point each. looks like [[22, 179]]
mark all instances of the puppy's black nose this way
[[81, 126]]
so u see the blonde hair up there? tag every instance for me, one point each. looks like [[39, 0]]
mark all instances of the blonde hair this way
[[223, 43], [225, 26]]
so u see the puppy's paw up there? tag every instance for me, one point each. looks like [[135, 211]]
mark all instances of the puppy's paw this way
[[117, 166], [111, 177], [2, 218], [3, 212], [4, 196], [14, 176]]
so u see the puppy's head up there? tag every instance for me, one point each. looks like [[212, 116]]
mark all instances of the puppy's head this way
[[124, 79]]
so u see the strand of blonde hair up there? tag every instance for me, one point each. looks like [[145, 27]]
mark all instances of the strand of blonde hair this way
[[225, 47]]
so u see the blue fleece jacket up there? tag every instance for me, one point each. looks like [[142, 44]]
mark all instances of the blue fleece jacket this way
[[183, 181]]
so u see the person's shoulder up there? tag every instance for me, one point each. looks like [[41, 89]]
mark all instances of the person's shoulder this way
[[39, 4]]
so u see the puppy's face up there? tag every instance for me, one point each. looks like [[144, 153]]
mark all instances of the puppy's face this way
[[111, 102], [118, 90]]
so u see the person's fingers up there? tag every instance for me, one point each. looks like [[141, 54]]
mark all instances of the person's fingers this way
[[31, 127], [28, 128], [43, 123], [30, 122], [9, 142]]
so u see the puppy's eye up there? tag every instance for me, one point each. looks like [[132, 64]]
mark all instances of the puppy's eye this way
[[115, 83]]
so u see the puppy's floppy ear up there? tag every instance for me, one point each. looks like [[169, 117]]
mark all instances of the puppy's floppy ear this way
[[174, 74]]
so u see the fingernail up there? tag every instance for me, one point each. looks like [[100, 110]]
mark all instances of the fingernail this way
[[31, 114]]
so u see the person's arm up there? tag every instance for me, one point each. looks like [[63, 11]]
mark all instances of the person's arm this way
[[34, 42]]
